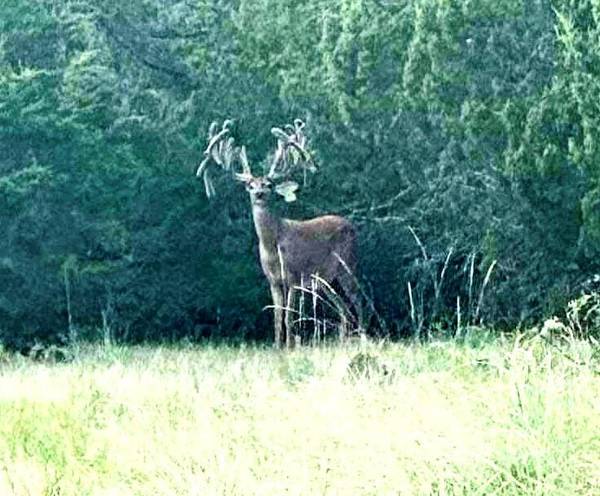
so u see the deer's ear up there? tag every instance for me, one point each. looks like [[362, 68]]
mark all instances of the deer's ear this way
[[287, 190]]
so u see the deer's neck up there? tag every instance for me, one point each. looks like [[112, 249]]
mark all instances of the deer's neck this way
[[267, 226]]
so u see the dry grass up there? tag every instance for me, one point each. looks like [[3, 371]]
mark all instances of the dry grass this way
[[501, 417]]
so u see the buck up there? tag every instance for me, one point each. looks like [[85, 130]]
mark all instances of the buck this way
[[291, 251]]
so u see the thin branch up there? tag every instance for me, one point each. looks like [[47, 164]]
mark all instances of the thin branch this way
[[423, 251], [485, 283]]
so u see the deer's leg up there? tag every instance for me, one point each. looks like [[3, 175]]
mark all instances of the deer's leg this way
[[343, 329], [277, 296], [349, 286], [289, 316]]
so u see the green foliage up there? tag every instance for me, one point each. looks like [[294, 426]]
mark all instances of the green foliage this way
[[583, 316], [23, 182], [474, 124]]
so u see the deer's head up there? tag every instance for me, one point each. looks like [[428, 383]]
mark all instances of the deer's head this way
[[290, 153], [259, 188]]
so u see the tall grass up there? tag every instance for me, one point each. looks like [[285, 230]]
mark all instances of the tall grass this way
[[510, 417]]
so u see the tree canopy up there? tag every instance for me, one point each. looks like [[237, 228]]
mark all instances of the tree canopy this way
[[460, 137]]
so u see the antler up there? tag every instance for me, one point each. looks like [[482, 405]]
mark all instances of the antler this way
[[222, 151], [291, 150], [246, 172], [212, 150]]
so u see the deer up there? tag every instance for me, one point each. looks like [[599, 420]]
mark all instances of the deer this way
[[290, 251]]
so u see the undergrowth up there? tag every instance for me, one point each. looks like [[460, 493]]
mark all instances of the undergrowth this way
[[506, 416]]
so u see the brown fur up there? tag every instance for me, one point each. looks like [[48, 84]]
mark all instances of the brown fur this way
[[292, 251]]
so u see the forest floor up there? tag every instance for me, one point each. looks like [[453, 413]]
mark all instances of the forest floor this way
[[510, 416]]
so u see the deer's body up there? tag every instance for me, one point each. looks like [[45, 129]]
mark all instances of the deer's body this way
[[305, 247], [291, 251]]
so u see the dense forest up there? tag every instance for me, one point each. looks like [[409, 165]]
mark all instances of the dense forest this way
[[460, 137]]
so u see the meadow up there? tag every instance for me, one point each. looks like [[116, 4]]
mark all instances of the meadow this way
[[518, 415]]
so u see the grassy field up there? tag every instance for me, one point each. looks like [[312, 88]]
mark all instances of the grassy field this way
[[506, 416]]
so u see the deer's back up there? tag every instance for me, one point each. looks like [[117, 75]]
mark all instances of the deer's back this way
[[311, 246]]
